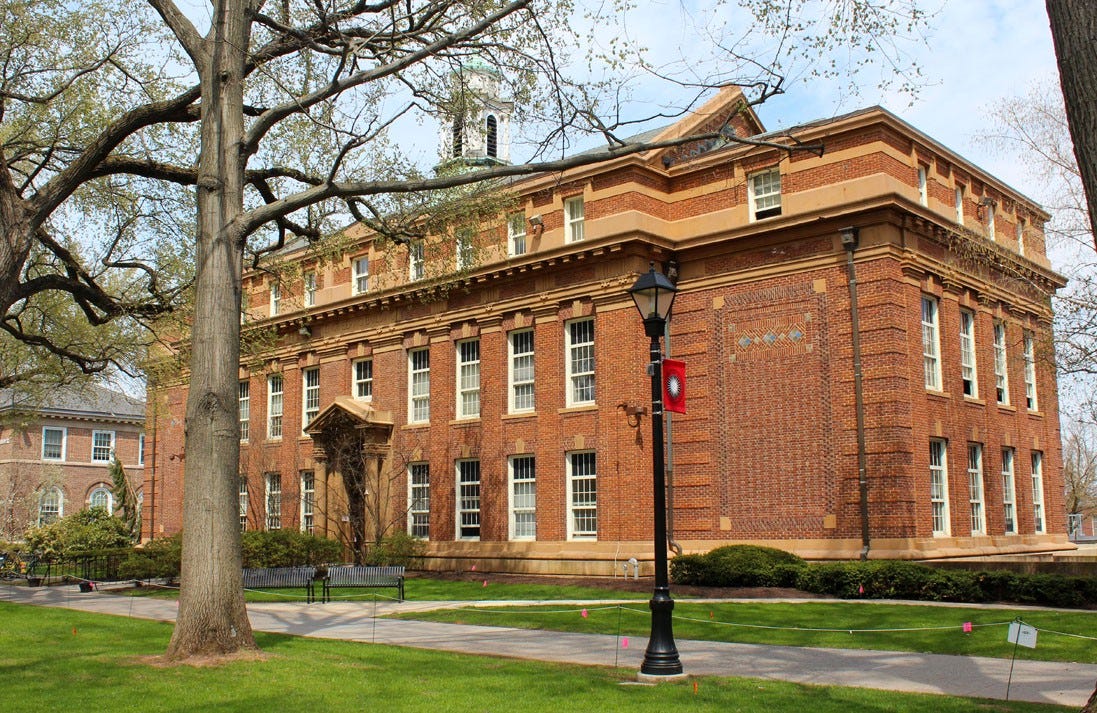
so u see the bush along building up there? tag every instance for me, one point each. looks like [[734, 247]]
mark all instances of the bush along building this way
[[501, 415]]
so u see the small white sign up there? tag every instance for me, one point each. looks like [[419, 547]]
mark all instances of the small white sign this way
[[1022, 635]]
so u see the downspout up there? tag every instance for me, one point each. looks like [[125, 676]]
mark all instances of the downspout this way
[[671, 270], [849, 242]]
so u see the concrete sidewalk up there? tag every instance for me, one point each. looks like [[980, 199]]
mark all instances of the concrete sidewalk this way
[[1041, 682]]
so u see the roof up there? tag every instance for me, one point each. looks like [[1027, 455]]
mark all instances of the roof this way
[[77, 402]]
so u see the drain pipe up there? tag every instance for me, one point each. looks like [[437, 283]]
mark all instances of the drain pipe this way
[[849, 242]]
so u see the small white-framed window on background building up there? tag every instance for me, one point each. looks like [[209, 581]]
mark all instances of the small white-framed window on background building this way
[[102, 446], [580, 362], [416, 261], [574, 218], [274, 406], [419, 385], [491, 130], [310, 289], [991, 231], [582, 472], [1009, 498], [244, 400], [275, 298], [923, 184], [360, 275], [363, 379], [53, 443], [1001, 373], [140, 449], [1038, 524], [273, 482], [51, 506], [521, 371], [931, 343], [764, 189], [310, 395], [975, 488], [1030, 371], [468, 499], [516, 233], [523, 498], [242, 501], [1020, 235], [468, 378], [938, 486], [419, 500], [308, 501], [466, 255], [101, 497], [967, 354], [959, 195]]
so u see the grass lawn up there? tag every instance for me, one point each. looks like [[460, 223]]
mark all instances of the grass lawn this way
[[852, 625], [60, 660]]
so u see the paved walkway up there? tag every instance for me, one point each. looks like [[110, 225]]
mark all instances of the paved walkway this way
[[1042, 682]]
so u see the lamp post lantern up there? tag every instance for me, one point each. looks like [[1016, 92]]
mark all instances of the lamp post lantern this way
[[654, 294]]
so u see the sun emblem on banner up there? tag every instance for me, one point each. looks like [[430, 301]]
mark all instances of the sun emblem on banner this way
[[674, 386]]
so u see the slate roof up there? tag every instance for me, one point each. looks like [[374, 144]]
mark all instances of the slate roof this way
[[85, 402]]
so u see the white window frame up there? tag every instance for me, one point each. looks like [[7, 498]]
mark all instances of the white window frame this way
[[469, 482], [419, 385], [938, 486], [992, 232], [931, 342], [522, 487], [464, 249], [416, 261], [1020, 236], [310, 395], [275, 406], [97, 449], [101, 492], [272, 500], [308, 501], [140, 449], [50, 497], [582, 501], [521, 372], [359, 281], [1009, 492], [923, 184], [243, 398], [310, 288], [1029, 351], [1039, 515], [968, 374], [581, 363], [275, 298], [574, 219], [764, 194], [1001, 364], [959, 196], [63, 445], [419, 500], [242, 503], [468, 378], [975, 489], [516, 233], [363, 379]]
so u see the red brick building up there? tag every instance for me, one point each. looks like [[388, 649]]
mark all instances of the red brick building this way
[[489, 397]]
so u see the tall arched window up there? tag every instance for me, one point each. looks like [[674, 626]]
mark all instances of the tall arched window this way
[[101, 497], [50, 506], [493, 136], [458, 137]]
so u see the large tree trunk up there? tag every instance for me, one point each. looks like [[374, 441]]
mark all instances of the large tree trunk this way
[[212, 618], [1074, 31]]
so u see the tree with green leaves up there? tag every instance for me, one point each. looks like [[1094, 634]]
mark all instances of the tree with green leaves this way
[[125, 499]]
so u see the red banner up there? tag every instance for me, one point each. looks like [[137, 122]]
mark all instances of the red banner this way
[[674, 385]]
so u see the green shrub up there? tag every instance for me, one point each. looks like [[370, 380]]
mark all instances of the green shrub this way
[[157, 559], [91, 530], [288, 548], [398, 549], [738, 566]]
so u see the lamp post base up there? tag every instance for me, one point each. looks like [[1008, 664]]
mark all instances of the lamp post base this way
[[661, 657]]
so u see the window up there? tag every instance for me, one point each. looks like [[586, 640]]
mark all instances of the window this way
[[764, 189], [468, 378], [274, 500], [53, 443], [51, 506], [492, 127], [275, 298], [1030, 372], [582, 496], [1001, 376], [990, 219], [308, 501], [140, 449], [975, 488], [521, 370], [468, 499], [458, 131], [1009, 500], [931, 343], [960, 204], [1038, 492], [274, 406], [1021, 236], [360, 282], [516, 233], [310, 289], [465, 254], [416, 263], [574, 211], [923, 188], [363, 379], [244, 300], [419, 386], [245, 410], [938, 486], [967, 354], [419, 500], [243, 503], [580, 362], [101, 497], [310, 395], [523, 498], [102, 446]]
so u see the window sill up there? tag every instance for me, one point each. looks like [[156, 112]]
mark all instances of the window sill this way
[[1036, 414], [938, 394], [1007, 407], [415, 425], [468, 421], [577, 409], [519, 415]]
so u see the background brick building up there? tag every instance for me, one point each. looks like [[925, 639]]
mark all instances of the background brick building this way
[[494, 405]]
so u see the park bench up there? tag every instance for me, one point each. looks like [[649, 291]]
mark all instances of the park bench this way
[[282, 578], [361, 576]]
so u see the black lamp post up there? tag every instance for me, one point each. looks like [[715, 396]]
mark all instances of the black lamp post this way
[[654, 294]]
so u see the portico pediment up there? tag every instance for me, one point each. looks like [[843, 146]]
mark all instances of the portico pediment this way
[[345, 412]]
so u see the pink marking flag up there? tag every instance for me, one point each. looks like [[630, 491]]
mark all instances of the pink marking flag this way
[[624, 642], [584, 613], [967, 627]]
